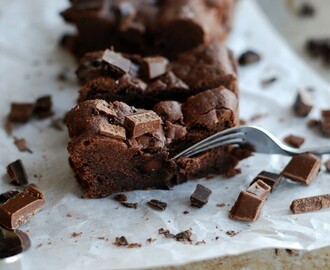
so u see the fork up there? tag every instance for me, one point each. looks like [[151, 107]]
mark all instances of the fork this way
[[260, 139]]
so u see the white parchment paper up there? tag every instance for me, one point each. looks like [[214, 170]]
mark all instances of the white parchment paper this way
[[30, 61]]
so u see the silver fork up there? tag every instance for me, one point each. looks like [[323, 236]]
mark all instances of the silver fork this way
[[260, 139]]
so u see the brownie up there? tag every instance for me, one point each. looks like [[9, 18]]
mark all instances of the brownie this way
[[148, 27], [115, 147], [149, 80]]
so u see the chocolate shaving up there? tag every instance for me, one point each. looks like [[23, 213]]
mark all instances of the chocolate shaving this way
[[130, 205], [294, 141], [120, 197], [158, 205], [17, 173], [200, 196], [248, 57], [21, 145]]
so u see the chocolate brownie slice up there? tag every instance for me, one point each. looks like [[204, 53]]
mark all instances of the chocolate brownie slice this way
[[115, 147], [148, 27], [147, 80]]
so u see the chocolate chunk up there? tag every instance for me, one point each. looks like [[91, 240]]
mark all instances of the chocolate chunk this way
[[21, 112], [21, 145], [103, 107], [200, 197], [13, 243], [7, 195], [121, 241], [260, 189], [271, 179], [116, 62], [142, 123], [18, 209], [294, 141], [43, 107], [306, 10], [248, 57], [268, 81], [327, 165], [311, 123], [153, 67], [183, 236], [169, 110], [247, 207], [318, 47], [303, 103], [17, 173], [113, 131], [158, 205], [120, 197], [302, 168], [325, 122], [130, 205], [310, 204]]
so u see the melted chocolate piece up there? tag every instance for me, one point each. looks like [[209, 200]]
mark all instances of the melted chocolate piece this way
[[200, 197], [17, 173]]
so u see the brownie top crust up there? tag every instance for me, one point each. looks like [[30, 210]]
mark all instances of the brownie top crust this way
[[149, 80], [148, 27]]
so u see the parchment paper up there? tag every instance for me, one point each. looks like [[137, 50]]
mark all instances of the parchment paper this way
[[30, 63]]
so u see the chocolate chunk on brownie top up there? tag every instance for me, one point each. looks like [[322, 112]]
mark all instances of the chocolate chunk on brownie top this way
[[149, 27], [106, 161], [149, 80]]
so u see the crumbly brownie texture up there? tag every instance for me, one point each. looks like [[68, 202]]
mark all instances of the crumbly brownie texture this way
[[147, 27], [115, 147], [203, 68]]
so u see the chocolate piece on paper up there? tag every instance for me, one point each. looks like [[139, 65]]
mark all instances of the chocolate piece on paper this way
[[260, 189], [311, 123], [303, 103], [310, 204], [325, 122], [13, 243], [7, 195], [294, 141], [21, 112], [248, 57], [200, 197], [271, 179], [247, 207], [130, 205], [116, 62], [158, 205], [21, 145], [142, 123], [113, 131], [17, 173], [43, 107], [120, 197], [153, 67], [302, 168], [21, 207]]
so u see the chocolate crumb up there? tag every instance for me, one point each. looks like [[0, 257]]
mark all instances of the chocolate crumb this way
[[120, 197], [57, 124], [294, 141], [151, 240], [158, 205], [231, 233], [184, 236], [242, 122], [217, 238], [311, 123], [266, 82], [166, 233], [121, 241], [325, 122], [220, 205], [63, 75], [134, 245], [69, 215], [185, 212], [43, 107], [17, 173], [21, 145], [310, 204], [200, 242], [76, 234], [292, 252], [248, 57], [21, 112], [39, 245], [130, 205], [303, 103]]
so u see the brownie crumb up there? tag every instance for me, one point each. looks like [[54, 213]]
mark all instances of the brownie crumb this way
[[310, 204], [184, 236], [130, 205], [120, 197], [69, 215], [294, 141], [17, 173], [231, 233], [150, 240], [121, 241], [267, 82], [76, 234], [185, 212], [306, 10], [242, 122], [21, 112], [248, 57], [21, 145], [232, 172], [220, 205], [157, 205]]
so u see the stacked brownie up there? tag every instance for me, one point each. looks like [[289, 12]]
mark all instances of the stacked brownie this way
[[138, 110]]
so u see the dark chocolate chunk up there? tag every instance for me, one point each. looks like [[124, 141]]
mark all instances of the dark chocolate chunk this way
[[121, 241], [271, 179], [21, 145], [327, 165], [153, 67], [13, 242], [325, 122], [18, 209], [130, 205], [249, 57], [142, 123], [158, 205], [43, 107], [21, 112], [17, 173], [303, 103], [183, 236], [7, 195], [113, 131], [268, 81], [259, 189], [306, 10], [120, 197], [116, 62], [294, 141], [103, 107], [200, 197], [302, 168], [311, 123], [310, 204]]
